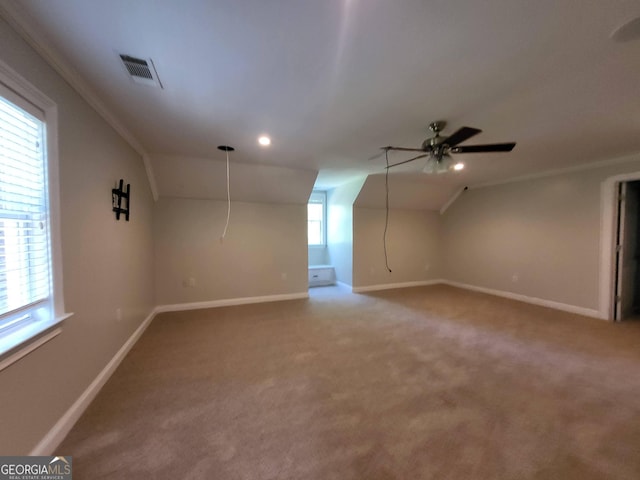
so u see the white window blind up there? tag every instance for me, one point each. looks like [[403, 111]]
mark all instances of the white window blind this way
[[24, 238]]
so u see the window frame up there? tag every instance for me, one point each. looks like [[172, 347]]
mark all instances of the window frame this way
[[17, 342], [321, 198]]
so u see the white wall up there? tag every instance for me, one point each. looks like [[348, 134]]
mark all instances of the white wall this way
[[106, 264], [318, 255], [340, 228], [263, 243], [413, 244], [546, 231], [340, 238]]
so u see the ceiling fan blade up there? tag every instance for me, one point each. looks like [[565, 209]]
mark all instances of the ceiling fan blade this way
[[404, 149], [386, 149], [461, 135], [493, 147], [376, 156], [407, 161]]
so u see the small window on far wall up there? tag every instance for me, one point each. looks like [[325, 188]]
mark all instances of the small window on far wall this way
[[316, 219]]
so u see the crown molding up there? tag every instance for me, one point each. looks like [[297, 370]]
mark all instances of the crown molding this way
[[561, 171], [23, 25], [545, 174], [146, 159], [453, 198]]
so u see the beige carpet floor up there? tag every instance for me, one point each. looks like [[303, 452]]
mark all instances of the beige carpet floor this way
[[421, 383]]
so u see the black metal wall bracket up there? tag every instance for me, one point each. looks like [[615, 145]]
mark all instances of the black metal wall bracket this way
[[117, 197]]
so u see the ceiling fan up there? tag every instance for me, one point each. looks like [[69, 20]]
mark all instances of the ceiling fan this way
[[438, 148]]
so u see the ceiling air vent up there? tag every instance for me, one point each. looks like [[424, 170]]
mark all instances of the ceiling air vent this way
[[141, 70]]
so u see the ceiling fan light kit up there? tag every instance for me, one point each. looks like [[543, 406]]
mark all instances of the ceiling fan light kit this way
[[438, 149], [437, 167]]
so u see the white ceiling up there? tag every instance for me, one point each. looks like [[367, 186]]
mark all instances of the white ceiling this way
[[332, 81]]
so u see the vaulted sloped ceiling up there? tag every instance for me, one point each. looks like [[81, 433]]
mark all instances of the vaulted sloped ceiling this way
[[407, 191], [189, 177], [332, 81]]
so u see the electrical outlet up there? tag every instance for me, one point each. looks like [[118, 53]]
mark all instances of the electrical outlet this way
[[118, 314], [372, 271], [427, 267], [283, 275], [514, 278], [192, 282]]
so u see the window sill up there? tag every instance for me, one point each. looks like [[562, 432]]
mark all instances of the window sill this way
[[24, 341], [317, 247]]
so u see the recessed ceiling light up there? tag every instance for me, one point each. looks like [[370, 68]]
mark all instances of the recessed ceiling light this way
[[458, 166], [264, 140]]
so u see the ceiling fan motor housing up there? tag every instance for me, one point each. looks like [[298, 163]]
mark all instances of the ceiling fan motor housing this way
[[436, 147]]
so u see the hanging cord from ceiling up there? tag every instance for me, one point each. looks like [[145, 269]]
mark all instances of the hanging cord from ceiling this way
[[226, 226], [227, 149], [386, 216]]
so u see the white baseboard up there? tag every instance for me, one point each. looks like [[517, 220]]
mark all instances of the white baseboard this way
[[62, 427], [59, 431], [345, 285], [227, 302], [588, 312], [54, 437], [389, 286]]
